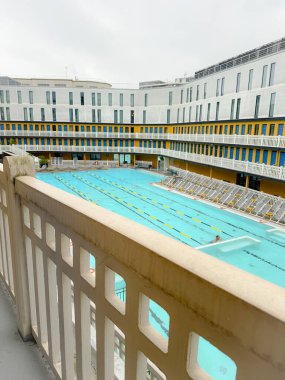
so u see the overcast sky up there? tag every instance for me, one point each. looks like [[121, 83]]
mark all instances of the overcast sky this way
[[127, 41]]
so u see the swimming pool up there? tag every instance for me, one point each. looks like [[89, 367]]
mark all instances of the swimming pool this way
[[129, 192], [254, 247]]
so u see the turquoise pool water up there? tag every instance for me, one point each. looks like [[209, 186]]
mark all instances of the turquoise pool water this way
[[130, 193]]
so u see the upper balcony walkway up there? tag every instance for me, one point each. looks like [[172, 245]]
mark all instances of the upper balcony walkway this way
[[18, 360]]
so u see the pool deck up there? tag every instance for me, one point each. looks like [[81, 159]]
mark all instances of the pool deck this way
[[18, 359]]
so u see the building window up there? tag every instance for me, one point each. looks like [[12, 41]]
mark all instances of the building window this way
[[170, 98], [82, 98], [271, 75], [238, 108], [25, 114], [53, 114], [71, 115], [31, 97], [256, 129], [205, 90], [187, 95], [272, 104], [200, 113], [181, 96], [257, 103], [208, 111], [132, 100], [7, 97], [144, 117], [7, 113], [190, 95], [132, 117], [178, 111], [121, 100], [168, 116], [223, 86], [76, 115], [196, 116], [31, 114], [19, 94], [183, 115], [121, 116], [93, 116], [98, 113], [71, 98], [250, 75], [218, 87], [145, 100], [1, 96], [43, 117], [2, 115], [93, 99], [53, 96], [217, 110], [190, 113], [271, 129], [110, 100], [197, 92], [48, 97], [99, 101], [232, 109], [116, 116], [264, 76], [238, 82]]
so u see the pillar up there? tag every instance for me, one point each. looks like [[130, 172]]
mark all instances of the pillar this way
[[15, 166], [247, 181]]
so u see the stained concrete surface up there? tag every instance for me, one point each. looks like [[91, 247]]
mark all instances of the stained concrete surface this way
[[18, 360]]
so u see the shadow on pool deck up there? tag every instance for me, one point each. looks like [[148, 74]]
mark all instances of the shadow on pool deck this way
[[18, 360]]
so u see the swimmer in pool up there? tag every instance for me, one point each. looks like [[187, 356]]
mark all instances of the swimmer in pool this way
[[217, 238]]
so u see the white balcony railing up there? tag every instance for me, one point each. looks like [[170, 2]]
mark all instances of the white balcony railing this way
[[262, 141], [276, 172], [47, 239]]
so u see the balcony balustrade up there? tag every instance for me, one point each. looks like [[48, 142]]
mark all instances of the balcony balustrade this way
[[86, 330]]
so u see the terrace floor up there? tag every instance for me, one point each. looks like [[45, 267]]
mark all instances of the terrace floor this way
[[18, 360]]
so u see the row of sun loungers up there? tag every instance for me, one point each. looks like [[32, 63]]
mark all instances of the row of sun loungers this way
[[240, 198]]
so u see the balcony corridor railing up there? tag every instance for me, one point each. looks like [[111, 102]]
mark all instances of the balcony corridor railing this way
[[233, 139], [271, 171], [47, 240]]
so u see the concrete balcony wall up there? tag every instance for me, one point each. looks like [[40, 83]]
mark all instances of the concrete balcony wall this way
[[52, 236]]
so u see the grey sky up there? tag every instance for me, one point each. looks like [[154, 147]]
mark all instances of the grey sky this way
[[128, 41]]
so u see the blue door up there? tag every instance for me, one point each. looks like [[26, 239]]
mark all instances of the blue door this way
[[121, 129], [77, 142], [243, 129], [127, 143], [243, 154], [121, 143], [237, 153], [144, 143], [105, 129], [265, 156], [88, 142], [48, 141], [154, 144], [160, 130], [132, 143], [226, 152], [146, 130], [25, 141], [150, 129], [93, 128], [20, 141], [257, 156], [155, 130], [110, 142], [237, 129], [273, 157], [280, 129], [232, 152], [65, 128], [282, 159], [31, 127], [59, 128], [105, 142], [43, 141], [65, 141], [159, 144], [19, 127], [250, 155], [37, 141], [99, 142], [13, 127], [226, 129], [110, 129], [48, 127], [140, 143], [82, 128], [264, 129]]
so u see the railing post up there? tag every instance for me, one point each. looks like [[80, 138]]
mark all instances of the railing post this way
[[13, 167]]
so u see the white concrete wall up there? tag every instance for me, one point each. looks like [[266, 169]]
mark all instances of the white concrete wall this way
[[158, 98]]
